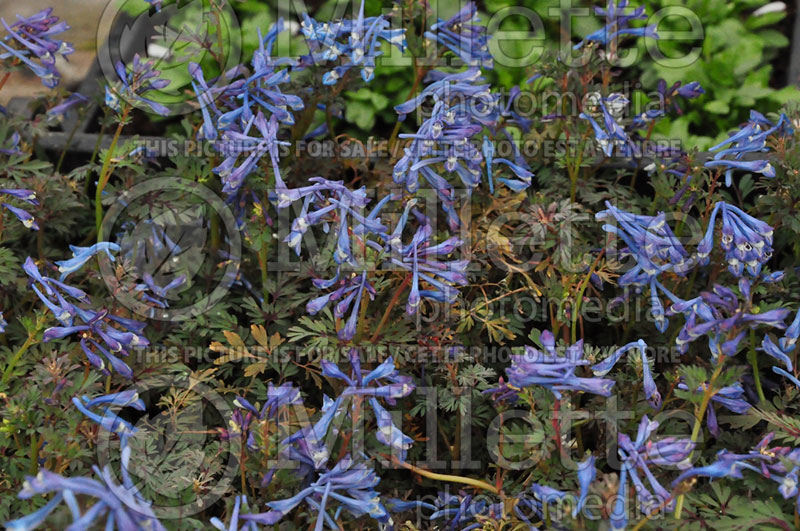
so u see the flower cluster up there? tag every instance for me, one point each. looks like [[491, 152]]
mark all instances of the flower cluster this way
[[459, 35], [102, 334], [751, 138], [747, 241], [780, 464], [34, 39], [618, 25], [356, 40], [730, 397], [650, 390], [637, 456], [134, 82], [122, 505], [550, 370]]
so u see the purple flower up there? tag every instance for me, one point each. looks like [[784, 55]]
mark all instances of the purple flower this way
[[731, 397], [462, 107], [614, 135], [235, 144], [746, 240], [636, 457], [102, 335], [74, 99], [650, 242], [348, 485], [382, 382], [33, 37], [81, 255], [122, 505], [137, 80], [354, 40], [618, 24], [240, 511], [420, 258], [751, 138], [650, 389], [550, 369], [26, 218], [462, 37]]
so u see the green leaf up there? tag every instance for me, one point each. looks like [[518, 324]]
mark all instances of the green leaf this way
[[717, 107], [360, 113]]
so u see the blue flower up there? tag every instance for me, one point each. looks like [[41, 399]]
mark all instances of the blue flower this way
[[586, 474], [731, 397], [34, 35], [59, 110], [107, 419], [650, 390], [636, 456], [751, 138], [278, 397], [122, 505], [348, 485], [3, 323], [550, 369], [420, 258], [136, 81], [618, 24], [462, 107], [382, 382], [461, 36], [27, 219], [650, 242], [787, 342], [101, 331], [234, 144], [240, 512], [614, 134], [747, 241], [81, 255], [29, 196], [356, 40]]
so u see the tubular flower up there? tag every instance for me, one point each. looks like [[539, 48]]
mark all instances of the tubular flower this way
[[636, 457], [101, 333], [650, 390], [382, 382], [348, 485], [618, 24], [419, 257], [33, 40], [462, 107], [551, 370], [747, 241], [731, 397], [751, 138], [459, 35], [134, 82], [354, 40]]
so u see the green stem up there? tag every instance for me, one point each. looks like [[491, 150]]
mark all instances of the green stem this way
[[18, 356], [699, 413], [579, 297], [447, 477], [105, 174], [752, 357]]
